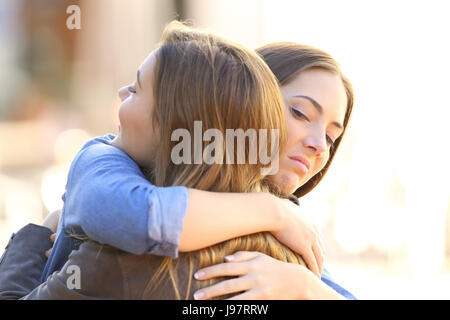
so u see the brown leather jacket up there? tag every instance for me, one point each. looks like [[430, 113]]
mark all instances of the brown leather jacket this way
[[94, 271], [98, 271]]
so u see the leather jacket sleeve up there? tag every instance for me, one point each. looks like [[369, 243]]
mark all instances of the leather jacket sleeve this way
[[91, 273], [22, 262]]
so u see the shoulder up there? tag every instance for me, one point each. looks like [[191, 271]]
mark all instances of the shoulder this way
[[99, 150], [101, 145], [96, 157]]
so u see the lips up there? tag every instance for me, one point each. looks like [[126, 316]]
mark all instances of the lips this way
[[302, 160]]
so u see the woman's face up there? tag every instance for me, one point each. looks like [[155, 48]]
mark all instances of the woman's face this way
[[316, 103], [137, 136]]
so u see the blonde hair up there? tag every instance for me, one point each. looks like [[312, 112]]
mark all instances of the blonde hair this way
[[200, 76]]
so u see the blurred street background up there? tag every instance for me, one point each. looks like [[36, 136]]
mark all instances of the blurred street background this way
[[384, 205]]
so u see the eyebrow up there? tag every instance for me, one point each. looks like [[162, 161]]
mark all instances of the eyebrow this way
[[138, 77], [318, 108]]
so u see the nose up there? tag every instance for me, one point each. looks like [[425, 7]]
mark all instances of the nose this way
[[123, 93], [316, 143]]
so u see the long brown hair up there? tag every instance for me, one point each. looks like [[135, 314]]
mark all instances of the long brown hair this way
[[287, 60], [202, 77]]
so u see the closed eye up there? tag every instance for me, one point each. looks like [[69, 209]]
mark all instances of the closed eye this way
[[299, 114], [329, 140], [131, 89]]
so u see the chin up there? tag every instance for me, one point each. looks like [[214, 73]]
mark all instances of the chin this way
[[287, 181]]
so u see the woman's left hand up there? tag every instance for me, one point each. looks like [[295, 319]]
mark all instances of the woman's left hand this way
[[260, 277]]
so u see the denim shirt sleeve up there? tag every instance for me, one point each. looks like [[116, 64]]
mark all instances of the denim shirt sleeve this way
[[108, 199], [327, 279]]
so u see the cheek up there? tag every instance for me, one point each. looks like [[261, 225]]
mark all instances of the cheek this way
[[320, 163], [295, 131], [123, 113], [130, 116]]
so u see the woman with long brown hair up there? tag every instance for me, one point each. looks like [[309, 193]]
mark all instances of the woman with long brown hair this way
[[314, 89]]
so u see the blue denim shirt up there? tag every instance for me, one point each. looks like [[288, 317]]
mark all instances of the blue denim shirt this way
[[109, 199]]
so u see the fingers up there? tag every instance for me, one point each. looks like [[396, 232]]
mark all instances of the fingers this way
[[318, 253], [319, 250], [249, 295], [322, 245], [49, 251], [223, 288], [241, 256], [310, 261], [220, 270], [233, 266]]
